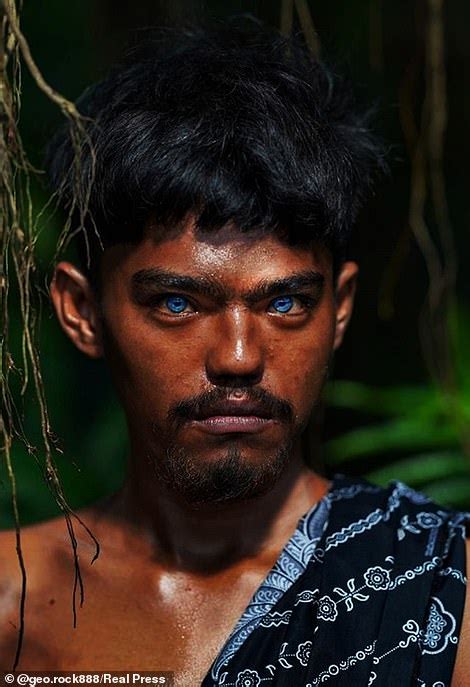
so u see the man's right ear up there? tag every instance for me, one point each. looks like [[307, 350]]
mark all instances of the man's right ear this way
[[76, 308]]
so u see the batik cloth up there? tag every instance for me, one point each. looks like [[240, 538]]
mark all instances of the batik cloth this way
[[369, 590]]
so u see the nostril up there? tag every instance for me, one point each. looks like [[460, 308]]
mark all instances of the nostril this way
[[235, 381]]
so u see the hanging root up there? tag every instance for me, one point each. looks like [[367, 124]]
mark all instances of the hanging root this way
[[288, 10], [17, 278]]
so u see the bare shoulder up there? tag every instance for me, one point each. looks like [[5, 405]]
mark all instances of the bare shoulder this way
[[41, 538], [462, 665], [39, 544], [45, 548], [47, 560], [36, 544], [10, 574]]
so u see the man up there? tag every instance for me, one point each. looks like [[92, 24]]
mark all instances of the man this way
[[228, 168]]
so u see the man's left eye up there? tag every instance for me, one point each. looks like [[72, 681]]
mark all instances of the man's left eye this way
[[176, 304], [282, 304], [289, 304]]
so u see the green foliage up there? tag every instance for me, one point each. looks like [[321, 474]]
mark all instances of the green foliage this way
[[421, 434], [91, 468]]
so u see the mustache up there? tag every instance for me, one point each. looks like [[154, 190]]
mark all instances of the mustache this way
[[212, 402]]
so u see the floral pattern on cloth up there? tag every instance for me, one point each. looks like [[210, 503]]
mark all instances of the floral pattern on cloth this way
[[369, 590]]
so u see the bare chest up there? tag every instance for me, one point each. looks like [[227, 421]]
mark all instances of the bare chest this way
[[172, 625]]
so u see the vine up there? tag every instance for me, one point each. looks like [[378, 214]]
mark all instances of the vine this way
[[18, 239]]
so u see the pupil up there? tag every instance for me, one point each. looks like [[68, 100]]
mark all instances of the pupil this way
[[283, 304], [176, 303]]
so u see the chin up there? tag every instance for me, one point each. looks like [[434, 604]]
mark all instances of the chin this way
[[232, 475]]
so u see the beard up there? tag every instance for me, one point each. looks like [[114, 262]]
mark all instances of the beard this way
[[227, 479], [230, 476]]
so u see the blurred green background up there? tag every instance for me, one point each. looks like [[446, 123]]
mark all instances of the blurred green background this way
[[390, 414]]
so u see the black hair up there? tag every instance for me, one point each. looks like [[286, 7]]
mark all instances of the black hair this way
[[234, 124]]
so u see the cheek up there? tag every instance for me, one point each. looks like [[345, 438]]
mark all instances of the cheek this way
[[148, 371], [299, 366]]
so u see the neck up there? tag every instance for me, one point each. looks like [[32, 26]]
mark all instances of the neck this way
[[210, 537]]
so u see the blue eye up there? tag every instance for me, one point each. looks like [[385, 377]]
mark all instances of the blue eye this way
[[283, 304], [176, 304]]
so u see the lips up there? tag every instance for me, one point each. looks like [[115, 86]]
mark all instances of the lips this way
[[233, 417], [222, 410], [234, 408]]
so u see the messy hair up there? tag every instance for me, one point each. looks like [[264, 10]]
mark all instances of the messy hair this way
[[234, 124]]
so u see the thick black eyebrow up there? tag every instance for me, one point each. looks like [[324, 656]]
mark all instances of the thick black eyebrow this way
[[300, 281], [145, 282]]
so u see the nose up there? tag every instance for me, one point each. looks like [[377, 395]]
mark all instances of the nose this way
[[236, 356]]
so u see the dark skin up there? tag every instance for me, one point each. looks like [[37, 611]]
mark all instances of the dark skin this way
[[172, 571]]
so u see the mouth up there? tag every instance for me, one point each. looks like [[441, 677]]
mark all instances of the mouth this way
[[234, 417]]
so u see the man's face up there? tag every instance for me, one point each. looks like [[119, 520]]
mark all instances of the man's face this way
[[218, 345]]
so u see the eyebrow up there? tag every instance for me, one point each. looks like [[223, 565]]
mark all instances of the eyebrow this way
[[145, 282], [301, 281]]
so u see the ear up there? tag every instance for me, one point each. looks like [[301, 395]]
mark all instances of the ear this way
[[76, 308], [345, 291]]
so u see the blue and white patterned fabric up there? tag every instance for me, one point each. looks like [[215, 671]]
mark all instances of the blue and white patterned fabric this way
[[369, 590]]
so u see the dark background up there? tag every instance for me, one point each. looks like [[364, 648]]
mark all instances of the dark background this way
[[387, 414]]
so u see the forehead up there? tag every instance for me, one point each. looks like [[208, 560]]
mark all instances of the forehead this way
[[226, 254]]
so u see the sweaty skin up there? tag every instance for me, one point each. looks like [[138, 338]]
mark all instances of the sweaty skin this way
[[173, 576]]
